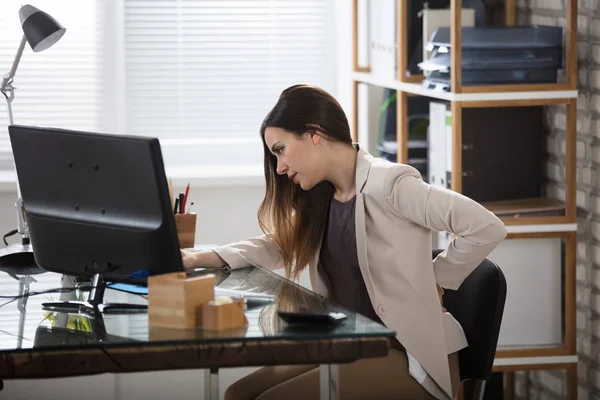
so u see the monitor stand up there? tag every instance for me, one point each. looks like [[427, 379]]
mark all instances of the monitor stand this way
[[94, 304]]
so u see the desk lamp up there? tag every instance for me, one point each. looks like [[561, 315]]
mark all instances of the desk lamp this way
[[41, 31]]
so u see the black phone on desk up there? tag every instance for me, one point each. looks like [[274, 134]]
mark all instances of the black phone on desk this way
[[312, 318]]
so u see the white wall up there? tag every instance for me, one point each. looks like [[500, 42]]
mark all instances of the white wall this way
[[225, 214]]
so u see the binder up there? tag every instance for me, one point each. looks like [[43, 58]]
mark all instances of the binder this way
[[382, 35], [439, 142], [439, 135], [502, 151]]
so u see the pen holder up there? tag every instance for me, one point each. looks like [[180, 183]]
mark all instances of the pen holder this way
[[219, 315], [175, 301], [186, 229]]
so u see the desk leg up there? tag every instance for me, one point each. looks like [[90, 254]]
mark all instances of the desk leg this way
[[330, 379], [211, 384]]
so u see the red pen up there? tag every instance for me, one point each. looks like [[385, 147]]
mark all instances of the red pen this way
[[185, 197]]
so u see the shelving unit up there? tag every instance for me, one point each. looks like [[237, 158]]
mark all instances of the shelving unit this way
[[522, 217]]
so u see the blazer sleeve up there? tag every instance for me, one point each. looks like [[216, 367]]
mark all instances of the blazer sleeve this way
[[477, 230], [260, 250]]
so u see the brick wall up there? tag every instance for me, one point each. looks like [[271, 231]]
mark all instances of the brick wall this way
[[548, 384]]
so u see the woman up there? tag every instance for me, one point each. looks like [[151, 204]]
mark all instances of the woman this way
[[328, 205]]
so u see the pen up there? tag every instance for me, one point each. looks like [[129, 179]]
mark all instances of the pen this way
[[171, 191], [181, 203], [185, 197], [176, 208], [189, 209]]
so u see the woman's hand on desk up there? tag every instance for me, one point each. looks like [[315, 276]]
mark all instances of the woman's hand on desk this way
[[201, 259]]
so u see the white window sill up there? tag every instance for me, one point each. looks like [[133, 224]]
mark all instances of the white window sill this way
[[195, 175], [217, 176]]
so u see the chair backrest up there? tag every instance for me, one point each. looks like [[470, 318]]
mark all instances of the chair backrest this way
[[478, 305]]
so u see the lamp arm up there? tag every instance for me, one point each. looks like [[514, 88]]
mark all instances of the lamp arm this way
[[8, 91], [6, 80]]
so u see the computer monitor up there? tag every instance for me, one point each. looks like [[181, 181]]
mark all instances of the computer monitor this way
[[97, 205]]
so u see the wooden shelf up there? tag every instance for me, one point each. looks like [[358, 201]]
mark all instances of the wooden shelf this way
[[539, 228], [534, 363], [523, 208], [534, 211], [540, 96], [532, 350]]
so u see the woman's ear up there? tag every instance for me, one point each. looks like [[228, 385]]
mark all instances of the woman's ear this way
[[315, 132], [315, 137]]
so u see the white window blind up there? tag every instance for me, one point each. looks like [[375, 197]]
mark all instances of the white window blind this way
[[201, 75], [61, 86]]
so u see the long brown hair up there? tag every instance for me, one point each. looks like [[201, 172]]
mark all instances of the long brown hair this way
[[293, 218]]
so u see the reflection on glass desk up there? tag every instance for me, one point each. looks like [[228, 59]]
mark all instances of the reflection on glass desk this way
[[46, 329]]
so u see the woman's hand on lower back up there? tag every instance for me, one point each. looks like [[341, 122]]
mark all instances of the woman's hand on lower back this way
[[441, 294]]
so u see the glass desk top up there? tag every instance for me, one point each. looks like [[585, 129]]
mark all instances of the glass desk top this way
[[34, 329]]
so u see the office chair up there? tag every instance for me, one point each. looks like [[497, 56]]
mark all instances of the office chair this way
[[478, 305]]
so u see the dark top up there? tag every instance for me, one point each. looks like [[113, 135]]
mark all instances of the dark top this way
[[340, 260]]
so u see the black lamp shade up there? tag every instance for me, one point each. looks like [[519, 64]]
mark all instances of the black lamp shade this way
[[40, 29]]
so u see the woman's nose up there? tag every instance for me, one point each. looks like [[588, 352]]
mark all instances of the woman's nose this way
[[281, 168]]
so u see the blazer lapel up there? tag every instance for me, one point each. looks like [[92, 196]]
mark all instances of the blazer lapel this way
[[363, 166], [361, 245]]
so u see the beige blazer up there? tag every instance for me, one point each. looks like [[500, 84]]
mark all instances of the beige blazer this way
[[396, 213]]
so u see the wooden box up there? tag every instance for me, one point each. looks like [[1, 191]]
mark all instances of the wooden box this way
[[224, 316], [175, 301]]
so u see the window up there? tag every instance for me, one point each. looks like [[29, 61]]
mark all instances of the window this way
[[202, 75], [61, 86]]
